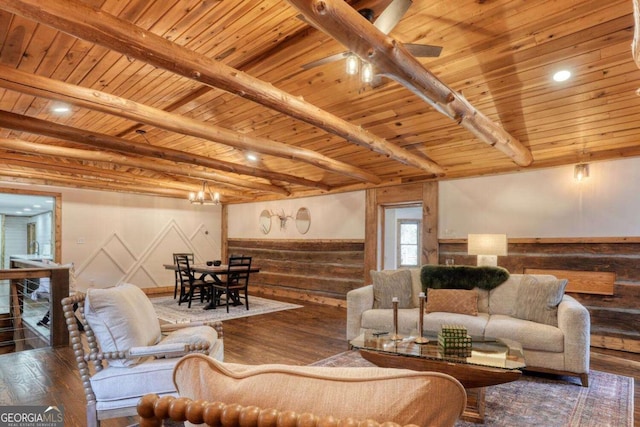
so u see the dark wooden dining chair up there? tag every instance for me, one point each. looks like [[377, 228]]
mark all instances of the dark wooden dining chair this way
[[236, 281], [177, 273], [189, 284]]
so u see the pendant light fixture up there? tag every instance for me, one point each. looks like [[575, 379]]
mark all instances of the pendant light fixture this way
[[204, 196], [367, 72]]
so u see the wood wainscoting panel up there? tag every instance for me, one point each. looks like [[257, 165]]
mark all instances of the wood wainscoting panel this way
[[583, 282], [318, 270]]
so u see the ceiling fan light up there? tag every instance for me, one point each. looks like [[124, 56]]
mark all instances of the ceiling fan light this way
[[367, 72], [352, 64]]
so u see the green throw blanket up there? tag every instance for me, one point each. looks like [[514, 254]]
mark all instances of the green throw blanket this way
[[462, 277]]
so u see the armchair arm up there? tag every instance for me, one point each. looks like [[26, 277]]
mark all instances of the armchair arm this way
[[575, 323], [358, 301], [170, 327], [153, 409], [168, 350], [160, 350]]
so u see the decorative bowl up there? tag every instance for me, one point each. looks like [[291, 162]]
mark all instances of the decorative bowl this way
[[210, 263], [217, 262]]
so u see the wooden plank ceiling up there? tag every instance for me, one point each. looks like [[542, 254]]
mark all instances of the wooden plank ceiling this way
[[166, 94]]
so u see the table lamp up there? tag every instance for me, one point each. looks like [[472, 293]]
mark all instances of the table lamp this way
[[487, 247]]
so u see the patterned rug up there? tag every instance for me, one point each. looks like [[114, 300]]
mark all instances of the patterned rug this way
[[549, 401], [169, 311]]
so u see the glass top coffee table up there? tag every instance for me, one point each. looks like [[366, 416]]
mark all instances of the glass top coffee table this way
[[488, 362]]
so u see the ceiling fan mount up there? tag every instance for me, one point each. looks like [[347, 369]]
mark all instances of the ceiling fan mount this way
[[385, 22]]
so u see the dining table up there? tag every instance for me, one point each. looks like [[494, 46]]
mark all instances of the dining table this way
[[215, 272]]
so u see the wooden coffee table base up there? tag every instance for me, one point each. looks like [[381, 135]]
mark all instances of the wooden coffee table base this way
[[474, 412], [474, 378]]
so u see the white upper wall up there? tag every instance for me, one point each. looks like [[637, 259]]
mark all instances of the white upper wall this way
[[545, 203], [336, 216], [119, 237], [114, 237]]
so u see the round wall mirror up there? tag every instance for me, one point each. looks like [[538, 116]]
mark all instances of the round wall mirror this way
[[265, 221], [303, 220]]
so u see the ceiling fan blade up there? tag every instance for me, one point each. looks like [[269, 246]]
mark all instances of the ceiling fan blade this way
[[322, 61], [390, 17], [423, 50]]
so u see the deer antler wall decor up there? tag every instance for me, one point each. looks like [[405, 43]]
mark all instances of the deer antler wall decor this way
[[282, 217]]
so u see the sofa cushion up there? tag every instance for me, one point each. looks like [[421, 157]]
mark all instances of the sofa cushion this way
[[483, 300], [121, 317], [118, 383], [389, 284], [538, 300], [452, 301], [502, 299], [362, 393], [416, 286], [475, 324], [531, 335], [382, 320]]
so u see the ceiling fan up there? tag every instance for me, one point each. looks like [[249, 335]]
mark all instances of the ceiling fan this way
[[385, 22]]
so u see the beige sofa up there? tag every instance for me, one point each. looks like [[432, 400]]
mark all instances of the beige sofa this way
[[561, 349]]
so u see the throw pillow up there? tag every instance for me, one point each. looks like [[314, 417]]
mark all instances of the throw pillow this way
[[121, 317], [390, 284], [538, 300], [452, 301]]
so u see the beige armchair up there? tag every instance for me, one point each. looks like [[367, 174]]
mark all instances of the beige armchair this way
[[127, 353], [229, 394]]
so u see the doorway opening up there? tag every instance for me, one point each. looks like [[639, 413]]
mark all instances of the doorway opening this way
[[401, 239]]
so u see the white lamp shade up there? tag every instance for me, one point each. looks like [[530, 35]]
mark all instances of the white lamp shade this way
[[487, 244]]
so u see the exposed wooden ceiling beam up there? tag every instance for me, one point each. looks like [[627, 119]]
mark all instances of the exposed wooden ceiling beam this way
[[99, 179], [141, 163], [32, 125], [111, 158], [28, 176], [95, 25], [44, 87], [635, 45], [342, 22]]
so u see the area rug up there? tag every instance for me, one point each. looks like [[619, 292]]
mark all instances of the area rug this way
[[543, 400], [169, 311]]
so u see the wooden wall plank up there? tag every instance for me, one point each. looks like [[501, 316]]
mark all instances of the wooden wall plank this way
[[585, 282], [318, 268]]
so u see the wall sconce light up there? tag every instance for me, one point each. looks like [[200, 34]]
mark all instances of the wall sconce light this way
[[581, 171], [487, 247]]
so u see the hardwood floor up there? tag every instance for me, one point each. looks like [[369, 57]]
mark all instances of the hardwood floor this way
[[299, 337]]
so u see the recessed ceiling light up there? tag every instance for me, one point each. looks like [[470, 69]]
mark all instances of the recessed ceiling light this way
[[48, 201], [562, 75], [252, 157], [61, 109], [36, 206], [19, 213], [27, 209]]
